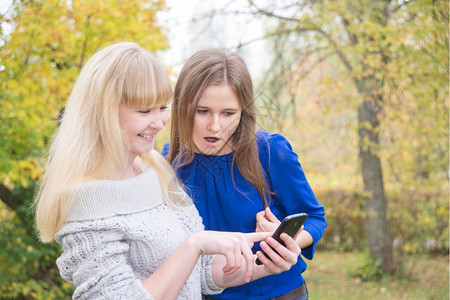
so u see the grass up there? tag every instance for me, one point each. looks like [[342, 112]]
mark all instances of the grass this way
[[332, 275]]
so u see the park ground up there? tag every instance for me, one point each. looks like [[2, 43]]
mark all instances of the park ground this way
[[333, 275]]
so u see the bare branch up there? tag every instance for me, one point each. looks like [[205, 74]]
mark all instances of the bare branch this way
[[401, 5], [83, 49], [271, 14], [314, 65], [353, 37], [338, 51], [340, 54], [268, 36]]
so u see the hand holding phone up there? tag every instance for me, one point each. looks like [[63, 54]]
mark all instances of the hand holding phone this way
[[290, 225]]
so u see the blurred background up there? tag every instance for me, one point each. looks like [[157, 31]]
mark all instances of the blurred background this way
[[359, 88]]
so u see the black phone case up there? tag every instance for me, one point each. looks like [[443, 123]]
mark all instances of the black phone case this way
[[291, 224]]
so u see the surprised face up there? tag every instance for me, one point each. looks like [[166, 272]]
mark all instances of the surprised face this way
[[217, 116]]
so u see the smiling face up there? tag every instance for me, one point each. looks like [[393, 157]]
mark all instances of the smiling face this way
[[140, 126], [216, 118]]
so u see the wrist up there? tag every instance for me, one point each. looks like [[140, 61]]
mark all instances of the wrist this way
[[193, 242]]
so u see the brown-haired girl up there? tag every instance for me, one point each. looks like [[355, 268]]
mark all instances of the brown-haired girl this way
[[239, 177]]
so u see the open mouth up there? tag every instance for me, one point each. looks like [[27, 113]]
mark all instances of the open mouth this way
[[211, 140]]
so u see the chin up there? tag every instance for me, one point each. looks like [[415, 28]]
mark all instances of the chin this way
[[146, 149]]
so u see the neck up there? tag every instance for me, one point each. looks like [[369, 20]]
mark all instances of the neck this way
[[132, 168]]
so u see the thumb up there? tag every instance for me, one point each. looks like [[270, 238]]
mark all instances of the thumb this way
[[270, 216], [261, 216]]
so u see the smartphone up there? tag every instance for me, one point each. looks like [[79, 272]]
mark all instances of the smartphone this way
[[291, 224]]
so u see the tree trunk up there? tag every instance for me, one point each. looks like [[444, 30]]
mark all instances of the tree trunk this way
[[378, 234], [19, 206]]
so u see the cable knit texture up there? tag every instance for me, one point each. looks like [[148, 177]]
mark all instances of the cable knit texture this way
[[119, 232]]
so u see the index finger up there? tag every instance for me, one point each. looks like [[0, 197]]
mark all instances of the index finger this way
[[249, 262], [257, 236]]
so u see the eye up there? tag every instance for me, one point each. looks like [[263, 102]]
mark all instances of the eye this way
[[163, 108], [229, 113], [144, 111], [202, 111]]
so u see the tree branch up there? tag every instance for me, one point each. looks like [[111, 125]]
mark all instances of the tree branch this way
[[340, 54], [16, 204], [268, 35], [271, 14], [83, 49], [401, 5], [8, 198]]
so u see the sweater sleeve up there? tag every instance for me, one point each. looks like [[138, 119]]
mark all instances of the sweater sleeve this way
[[95, 262], [293, 194], [208, 285]]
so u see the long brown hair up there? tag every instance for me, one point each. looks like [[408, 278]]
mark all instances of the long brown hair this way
[[215, 67]]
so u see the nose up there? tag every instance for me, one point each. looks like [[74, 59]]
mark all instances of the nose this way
[[157, 121], [214, 124]]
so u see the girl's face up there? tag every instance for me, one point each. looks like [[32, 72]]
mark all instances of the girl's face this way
[[141, 125], [216, 118]]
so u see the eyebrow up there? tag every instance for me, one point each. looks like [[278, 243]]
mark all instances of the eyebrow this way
[[225, 109]]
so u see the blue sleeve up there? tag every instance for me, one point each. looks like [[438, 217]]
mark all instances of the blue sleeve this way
[[293, 194]]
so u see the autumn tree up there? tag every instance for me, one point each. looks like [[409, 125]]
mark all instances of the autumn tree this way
[[394, 55], [44, 44]]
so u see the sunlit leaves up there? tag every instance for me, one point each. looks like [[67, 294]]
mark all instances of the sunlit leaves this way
[[397, 55], [41, 58], [39, 62]]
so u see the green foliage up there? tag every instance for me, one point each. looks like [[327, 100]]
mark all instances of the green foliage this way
[[371, 270], [41, 59], [388, 62], [39, 62], [418, 220], [345, 218], [27, 267], [321, 53]]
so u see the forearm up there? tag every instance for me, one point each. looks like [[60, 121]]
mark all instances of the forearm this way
[[304, 239], [167, 281]]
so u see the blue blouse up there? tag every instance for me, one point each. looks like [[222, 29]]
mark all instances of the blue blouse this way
[[228, 202]]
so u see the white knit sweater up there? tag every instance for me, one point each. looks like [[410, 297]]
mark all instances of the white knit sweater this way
[[119, 232]]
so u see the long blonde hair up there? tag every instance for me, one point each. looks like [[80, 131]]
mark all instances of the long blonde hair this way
[[89, 144], [214, 67]]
